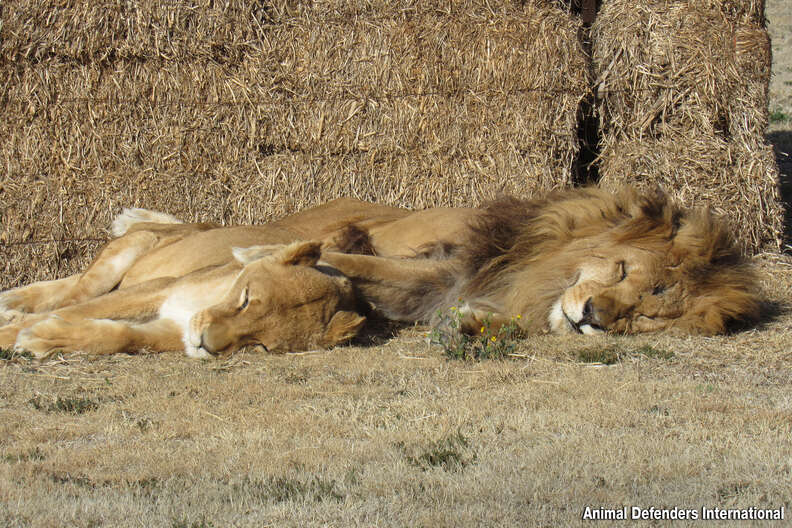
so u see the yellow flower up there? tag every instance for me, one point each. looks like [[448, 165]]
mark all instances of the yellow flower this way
[[493, 339], [482, 329], [453, 308], [519, 316]]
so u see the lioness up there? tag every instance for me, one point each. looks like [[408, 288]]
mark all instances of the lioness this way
[[274, 295]]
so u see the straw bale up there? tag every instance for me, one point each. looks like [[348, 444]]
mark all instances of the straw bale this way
[[682, 92], [163, 106]]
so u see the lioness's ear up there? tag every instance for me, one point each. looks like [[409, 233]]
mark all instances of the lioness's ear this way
[[249, 254], [300, 254]]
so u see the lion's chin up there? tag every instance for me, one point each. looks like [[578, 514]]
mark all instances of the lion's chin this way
[[561, 323]]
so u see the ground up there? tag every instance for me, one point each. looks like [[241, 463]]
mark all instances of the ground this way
[[395, 434]]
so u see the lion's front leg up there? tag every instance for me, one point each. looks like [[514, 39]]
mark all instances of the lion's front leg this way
[[97, 336], [104, 273], [400, 289]]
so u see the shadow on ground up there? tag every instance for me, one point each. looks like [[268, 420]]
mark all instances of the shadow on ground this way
[[782, 146]]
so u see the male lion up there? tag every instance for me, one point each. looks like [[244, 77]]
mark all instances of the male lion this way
[[274, 295], [577, 261]]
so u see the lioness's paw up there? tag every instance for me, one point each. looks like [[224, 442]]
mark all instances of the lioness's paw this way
[[8, 335], [11, 316], [27, 342], [11, 301], [45, 338]]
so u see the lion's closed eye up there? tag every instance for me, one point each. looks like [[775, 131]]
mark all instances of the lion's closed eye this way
[[622, 271], [244, 299]]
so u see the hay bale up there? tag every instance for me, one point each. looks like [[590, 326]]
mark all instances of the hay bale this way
[[682, 94], [238, 114]]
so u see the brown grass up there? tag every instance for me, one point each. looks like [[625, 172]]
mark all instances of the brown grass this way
[[398, 435]]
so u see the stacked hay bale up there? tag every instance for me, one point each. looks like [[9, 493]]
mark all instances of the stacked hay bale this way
[[241, 111], [682, 91]]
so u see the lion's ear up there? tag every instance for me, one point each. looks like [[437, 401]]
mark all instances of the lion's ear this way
[[299, 254], [253, 253], [705, 239], [294, 254]]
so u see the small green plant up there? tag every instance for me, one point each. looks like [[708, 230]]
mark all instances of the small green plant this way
[[65, 405], [606, 355], [488, 343], [705, 388], [7, 354], [654, 353], [779, 116], [448, 454]]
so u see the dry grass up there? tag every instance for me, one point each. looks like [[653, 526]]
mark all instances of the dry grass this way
[[397, 434], [683, 98]]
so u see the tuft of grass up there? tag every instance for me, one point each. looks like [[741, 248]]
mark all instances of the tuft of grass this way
[[148, 487], [659, 410], [34, 454], [184, 523], [606, 355], [654, 353], [65, 405], [284, 489], [448, 454], [6, 354], [488, 343], [732, 490], [79, 481], [779, 116]]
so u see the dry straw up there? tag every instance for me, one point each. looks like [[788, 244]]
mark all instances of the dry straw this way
[[241, 112], [682, 91]]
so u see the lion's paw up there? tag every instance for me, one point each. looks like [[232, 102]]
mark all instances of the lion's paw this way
[[11, 316], [45, 338], [10, 301]]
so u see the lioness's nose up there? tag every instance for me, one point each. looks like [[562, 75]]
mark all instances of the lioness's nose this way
[[203, 344]]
